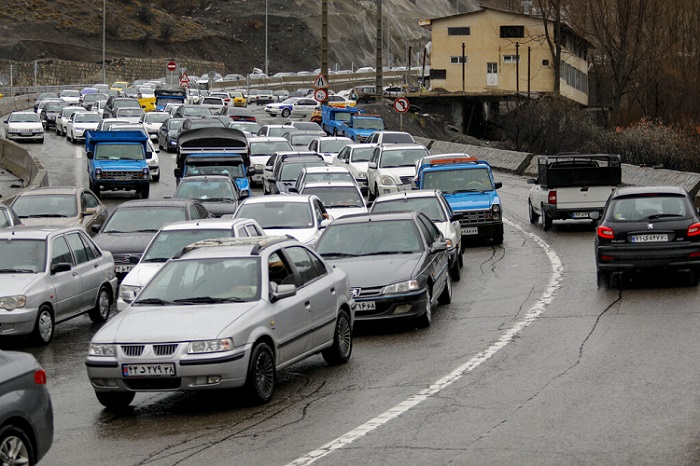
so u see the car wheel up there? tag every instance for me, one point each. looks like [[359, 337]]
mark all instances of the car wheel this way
[[426, 319], [156, 178], [285, 112], [44, 326], [41, 141], [455, 273], [115, 400], [144, 192], [68, 138], [546, 220], [95, 188], [531, 213], [603, 278], [15, 447], [460, 256], [335, 131], [446, 295], [58, 131], [262, 375], [341, 350], [498, 239], [100, 313]]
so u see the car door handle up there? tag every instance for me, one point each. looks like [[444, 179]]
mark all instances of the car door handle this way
[[96, 265], [333, 290], [307, 305], [75, 274]]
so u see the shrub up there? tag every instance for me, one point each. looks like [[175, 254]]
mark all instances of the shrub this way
[[145, 14], [167, 27]]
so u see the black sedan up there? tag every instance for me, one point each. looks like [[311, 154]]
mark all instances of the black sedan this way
[[397, 264], [648, 228], [218, 193]]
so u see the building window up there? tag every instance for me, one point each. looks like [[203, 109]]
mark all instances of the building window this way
[[458, 31], [438, 74], [458, 60], [510, 32], [574, 77], [492, 68], [511, 58]]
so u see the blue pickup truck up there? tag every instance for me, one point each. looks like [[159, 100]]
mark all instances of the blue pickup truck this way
[[469, 188], [360, 126], [333, 117], [117, 161]]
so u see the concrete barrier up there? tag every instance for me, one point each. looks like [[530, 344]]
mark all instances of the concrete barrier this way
[[20, 102], [20, 163], [504, 160]]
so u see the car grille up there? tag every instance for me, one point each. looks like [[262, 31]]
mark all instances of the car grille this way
[[406, 179], [158, 350], [471, 217], [367, 292], [133, 350], [164, 350], [122, 175], [169, 383], [125, 258]]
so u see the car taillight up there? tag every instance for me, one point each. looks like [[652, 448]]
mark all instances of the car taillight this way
[[606, 232], [607, 258], [694, 229], [552, 198], [40, 377]]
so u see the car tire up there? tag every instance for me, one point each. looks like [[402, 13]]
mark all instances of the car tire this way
[[144, 192], [446, 295], [603, 278], [374, 194], [100, 313], [95, 188], [455, 273], [68, 138], [41, 141], [534, 217], [460, 256], [15, 446], [498, 239], [426, 319], [341, 350], [546, 220], [286, 112], [115, 400], [43, 330], [156, 178], [335, 132], [262, 374]]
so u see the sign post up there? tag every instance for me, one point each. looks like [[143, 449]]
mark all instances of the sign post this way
[[171, 67], [401, 105]]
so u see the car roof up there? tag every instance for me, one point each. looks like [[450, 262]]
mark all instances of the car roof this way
[[389, 147], [193, 178], [333, 138], [51, 190], [34, 232], [417, 193], [268, 139], [222, 247], [207, 223], [637, 190], [157, 203], [375, 217], [327, 169], [24, 112], [330, 184], [301, 198]]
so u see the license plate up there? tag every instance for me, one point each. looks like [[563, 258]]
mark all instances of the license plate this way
[[580, 215], [123, 268], [148, 370], [470, 231], [658, 238], [122, 178], [365, 306], [26, 134]]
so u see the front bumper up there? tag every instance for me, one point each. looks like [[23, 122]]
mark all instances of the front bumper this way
[[392, 188], [28, 136], [480, 231], [638, 257], [19, 321], [395, 306]]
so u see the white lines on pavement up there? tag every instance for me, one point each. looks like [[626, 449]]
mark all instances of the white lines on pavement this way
[[533, 313]]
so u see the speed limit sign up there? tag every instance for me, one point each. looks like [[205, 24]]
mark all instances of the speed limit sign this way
[[321, 94]]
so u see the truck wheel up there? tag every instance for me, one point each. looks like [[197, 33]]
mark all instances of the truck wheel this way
[[335, 132], [546, 220], [285, 112], [531, 212], [156, 178], [95, 188], [144, 192]]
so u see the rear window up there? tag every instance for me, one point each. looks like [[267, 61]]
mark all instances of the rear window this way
[[652, 207]]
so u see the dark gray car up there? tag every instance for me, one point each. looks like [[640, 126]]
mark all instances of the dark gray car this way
[[26, 413], [218, 193]]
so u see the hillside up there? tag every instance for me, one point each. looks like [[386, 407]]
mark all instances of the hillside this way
[[230, 31]]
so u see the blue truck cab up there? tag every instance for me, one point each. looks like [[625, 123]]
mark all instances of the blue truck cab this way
[[333, 117], [470, 189], [360, 126], [215, 151], [117, 161]]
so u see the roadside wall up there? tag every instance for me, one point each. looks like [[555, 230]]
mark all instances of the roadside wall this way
[[20, 163]]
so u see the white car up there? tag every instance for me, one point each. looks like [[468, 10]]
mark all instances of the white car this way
[[392, 168], [355, 158], [283, 108], [340, 198], [260, 149], [329, 146], [70, 96], [64, 116], [301, 216], [304, 106], [133, 115], [322, 174], [152, 121], [170, 240], [79, 123], [24, 126]]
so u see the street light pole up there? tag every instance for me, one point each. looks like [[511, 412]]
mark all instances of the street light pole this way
[[265, 37], [104, 29]]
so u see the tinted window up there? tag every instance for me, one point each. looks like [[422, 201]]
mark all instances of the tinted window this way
[[78, 248], [431, 233], [88, 200], [133, 219], [430, 206], [22, 255], [370, 238], [279, 271], [89, 247], [303, 263], [61, 252]]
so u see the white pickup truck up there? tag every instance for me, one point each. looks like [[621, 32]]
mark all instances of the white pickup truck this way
[[572, 187]]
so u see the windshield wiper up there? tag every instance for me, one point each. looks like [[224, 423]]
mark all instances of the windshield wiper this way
[[344, 205], [468, 191], [43, 216], [655, 216], [158, 301], [208, 300], [16, 271], [156, 259], [147, 230], [388, 253], [328, 255]]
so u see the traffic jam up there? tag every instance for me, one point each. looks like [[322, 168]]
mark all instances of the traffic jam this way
[[288, 227]]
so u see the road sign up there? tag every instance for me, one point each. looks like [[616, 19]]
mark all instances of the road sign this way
[[184, 80], [321, 81], [171, 66], [401, 105], [321, 95]]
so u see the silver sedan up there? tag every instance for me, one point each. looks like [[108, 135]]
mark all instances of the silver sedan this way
[[226, 313]]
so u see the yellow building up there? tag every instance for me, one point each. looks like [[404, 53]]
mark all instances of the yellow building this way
[[502, 48]]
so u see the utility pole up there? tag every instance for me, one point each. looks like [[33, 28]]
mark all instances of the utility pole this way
[[324, 37], [104, 29], [464, 78], [379, 82]]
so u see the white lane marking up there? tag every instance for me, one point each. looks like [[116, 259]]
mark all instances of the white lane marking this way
[[532, 314]]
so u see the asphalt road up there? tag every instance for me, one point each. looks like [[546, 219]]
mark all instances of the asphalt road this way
[[531, 364]]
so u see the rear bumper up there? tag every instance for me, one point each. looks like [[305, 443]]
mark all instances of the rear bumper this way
[[668, 256], [580, 213]]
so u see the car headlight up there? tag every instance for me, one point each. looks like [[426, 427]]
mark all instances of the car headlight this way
[[388, 180], [259, 167], [210, 346], [102, 350], [361, 175], [129, 292], [401, 287], [12, 302], [496, 212]]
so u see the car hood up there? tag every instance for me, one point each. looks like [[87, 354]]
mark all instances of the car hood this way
[[26, 126], [338, 212], [142, 273], [217, 209], [398, 171], [360, 166], [144, 324], [20, 283], [384, 270], [121, 165], [87, 125], [303, 235], [470, 201], [53, 221], [121, 243]]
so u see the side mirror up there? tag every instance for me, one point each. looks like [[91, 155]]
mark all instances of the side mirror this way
[[149, 155], [90, 211], [95, 228], [346, 160], [294, 190], [278, 292], [178, 172], [325, 222], [372, 165], [90, 155], [244, 194], [457, 216], [364, 190], [438, 246], [60, 267], [272, 180], [251, 171], [498, 185]]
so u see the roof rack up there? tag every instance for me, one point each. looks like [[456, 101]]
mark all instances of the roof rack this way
[[258, 242]]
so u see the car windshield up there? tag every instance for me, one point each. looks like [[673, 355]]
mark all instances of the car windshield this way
[[370, 123], [54, 107], [378, 237], [204, 281], [276, 132], [402, 157], [87, 118], [246, 126], [333, 146], [267, 148], [167, 243], [40, 206], [397, 138], [90, 98], [302, 140], [329, 176], [336, 196], [155, 117], [129, 112], [68, 111], [307, 126], [361, 154], [290, 170], [199, 111], [458, 181], [651, 207], [206, 123], [430, 206], [278, 214], [22, 256], [206, 190], [175, 124], [143, 219], [163, 101], [24, 118], [211, 168], [128, 103], [119, 151]]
